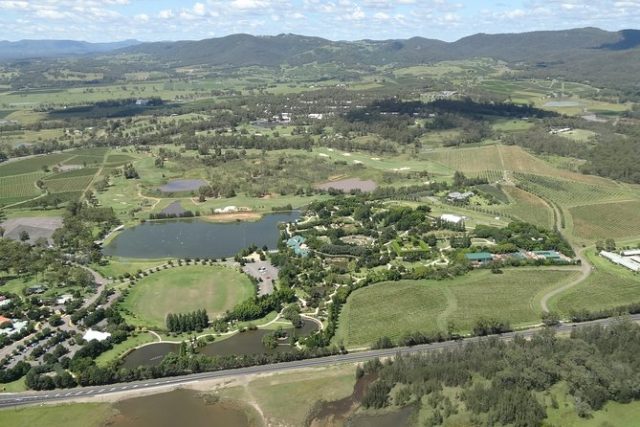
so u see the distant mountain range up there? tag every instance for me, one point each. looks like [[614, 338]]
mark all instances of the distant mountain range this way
[[24, 49], [584, 54], [244, 49]]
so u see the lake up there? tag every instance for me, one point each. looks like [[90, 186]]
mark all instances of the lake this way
[[196, 238]]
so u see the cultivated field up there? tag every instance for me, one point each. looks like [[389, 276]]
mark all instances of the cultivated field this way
[[607, 220], [16, 188], [393, 308], [568, 193], [185, 289], [528, 207]]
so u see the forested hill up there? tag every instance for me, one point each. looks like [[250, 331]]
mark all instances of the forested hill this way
[[601, 57], [23, 49], [535, 47]]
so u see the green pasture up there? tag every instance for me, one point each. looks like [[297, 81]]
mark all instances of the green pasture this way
[[185, 289]]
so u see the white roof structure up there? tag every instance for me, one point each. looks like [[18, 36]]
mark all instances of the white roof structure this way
[[620, 260], [631, 252], [455, 219], [226, 209], [62, 299], [95, 335]]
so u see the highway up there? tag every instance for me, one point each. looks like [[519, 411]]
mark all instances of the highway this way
[[61, 395]]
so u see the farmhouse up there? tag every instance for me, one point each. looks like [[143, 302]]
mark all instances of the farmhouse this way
[[548, 255], [453, 219], [479, 257], [95, 335], [63, 299], [297, 244], [457, 197]]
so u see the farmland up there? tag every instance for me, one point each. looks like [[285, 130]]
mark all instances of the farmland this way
[[185, 289], [17, 188], [606, 220], [393, 308]]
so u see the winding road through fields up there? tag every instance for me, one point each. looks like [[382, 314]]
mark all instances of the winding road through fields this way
[[17, 399], [585, 266]]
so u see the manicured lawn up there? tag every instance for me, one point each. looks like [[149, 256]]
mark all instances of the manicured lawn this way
[[185, 289], [75, 415], [608, 286], [393, 308]]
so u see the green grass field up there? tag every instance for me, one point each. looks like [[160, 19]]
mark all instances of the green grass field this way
[[73, 415], [392, 308], [608, 286], [185, 289]]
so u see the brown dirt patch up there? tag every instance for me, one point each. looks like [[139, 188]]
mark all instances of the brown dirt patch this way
[[235, 216]]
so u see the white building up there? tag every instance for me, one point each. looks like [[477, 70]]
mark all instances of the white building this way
[[95, 335], [316, 116], [62, 299], [631, 252], [454, 219], [226, 209]]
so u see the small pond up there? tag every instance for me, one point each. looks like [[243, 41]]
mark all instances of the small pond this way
[[196, 238], [180, 185], [248, 342]]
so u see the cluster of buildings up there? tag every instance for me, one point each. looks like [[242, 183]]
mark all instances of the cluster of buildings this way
[[11, 326], [629, 259], [479, 259]]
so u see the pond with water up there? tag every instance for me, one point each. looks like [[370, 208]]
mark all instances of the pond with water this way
[[180, 185], [248, 342], [196, 238]]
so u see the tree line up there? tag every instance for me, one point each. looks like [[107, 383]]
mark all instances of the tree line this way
[[187, 322]]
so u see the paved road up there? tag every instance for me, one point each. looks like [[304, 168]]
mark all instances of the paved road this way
[[17, 399]]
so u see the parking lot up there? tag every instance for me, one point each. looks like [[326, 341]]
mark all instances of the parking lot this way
[[265, 273]]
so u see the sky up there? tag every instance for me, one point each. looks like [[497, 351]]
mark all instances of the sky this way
[[154, 20]]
